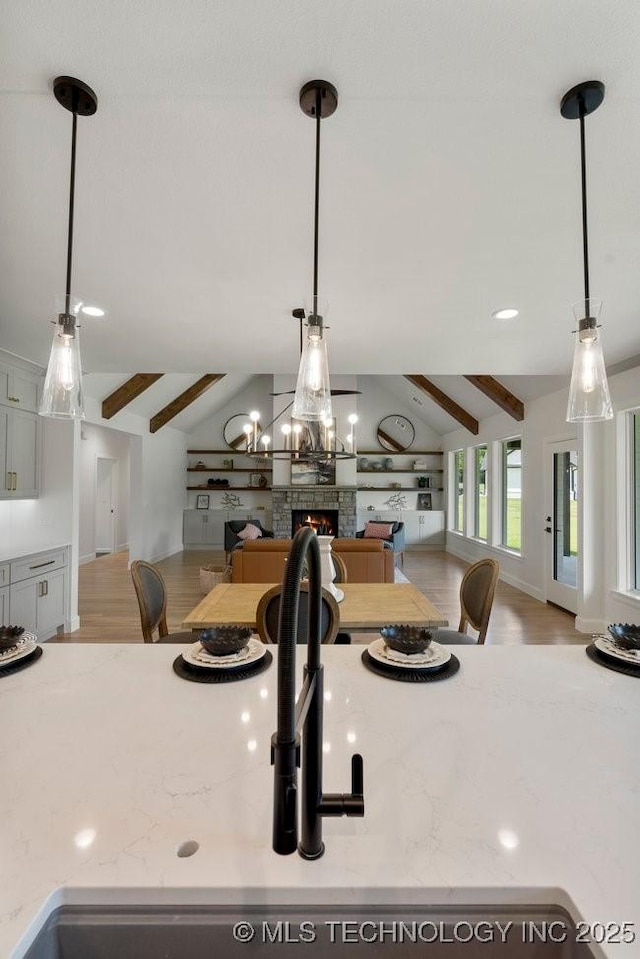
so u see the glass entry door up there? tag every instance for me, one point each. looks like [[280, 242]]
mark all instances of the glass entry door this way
[[562, 526]]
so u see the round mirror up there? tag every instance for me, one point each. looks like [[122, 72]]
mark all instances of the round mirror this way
[[234, 432], [395, 433]]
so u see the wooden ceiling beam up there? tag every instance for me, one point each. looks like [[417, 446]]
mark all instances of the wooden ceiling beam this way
[[499, 394], [444, 402], [181, 402], [128, 392]]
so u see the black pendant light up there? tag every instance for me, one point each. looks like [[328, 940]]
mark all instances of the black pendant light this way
[[312, 400], [62, 393], [589, 399]]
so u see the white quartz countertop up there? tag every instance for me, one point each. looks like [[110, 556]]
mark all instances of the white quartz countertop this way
[[12, 555], [518, 776]]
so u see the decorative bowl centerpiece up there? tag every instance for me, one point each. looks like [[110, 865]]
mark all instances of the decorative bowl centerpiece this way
[[407, 639], [625, 635], [9, 636], [225, 640]]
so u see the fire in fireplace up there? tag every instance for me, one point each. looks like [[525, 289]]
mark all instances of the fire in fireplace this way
[[323, 521]]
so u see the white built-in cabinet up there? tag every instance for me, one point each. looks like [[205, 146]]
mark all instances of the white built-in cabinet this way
[[205, 527], [35, 596], [19, 433], [421, 527]]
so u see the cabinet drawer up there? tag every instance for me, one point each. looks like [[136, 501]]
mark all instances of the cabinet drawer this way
[[38, 565], [4, 574]]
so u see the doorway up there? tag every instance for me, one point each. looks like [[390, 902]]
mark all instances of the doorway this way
[[106, 505], [561, 524]]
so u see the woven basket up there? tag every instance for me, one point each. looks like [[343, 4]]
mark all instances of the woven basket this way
[[211, 575]]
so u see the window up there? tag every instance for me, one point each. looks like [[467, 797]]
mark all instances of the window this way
[[512, 493], [458, 491], [635, 498], [480, 474]]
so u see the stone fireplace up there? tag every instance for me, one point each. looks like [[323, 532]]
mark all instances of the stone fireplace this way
[[316, 499]]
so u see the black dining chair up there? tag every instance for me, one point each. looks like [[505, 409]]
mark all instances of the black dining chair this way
[[152, 600]]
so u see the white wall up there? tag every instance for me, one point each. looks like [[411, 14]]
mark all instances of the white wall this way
[[375, 403], [621, 605], [99, 441], [157, 482], [210, 435]]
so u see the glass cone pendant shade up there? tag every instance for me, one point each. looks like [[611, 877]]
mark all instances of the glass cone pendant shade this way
[[62, 393], [312, 399], [589, 399]]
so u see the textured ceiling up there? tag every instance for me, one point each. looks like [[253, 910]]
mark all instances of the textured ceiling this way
[[449, 183]]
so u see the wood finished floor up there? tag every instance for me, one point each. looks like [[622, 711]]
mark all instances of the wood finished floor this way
[[109, 609]]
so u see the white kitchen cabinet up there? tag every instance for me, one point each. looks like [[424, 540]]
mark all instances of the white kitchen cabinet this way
[[19, 453], [19, 389], [38, 592]]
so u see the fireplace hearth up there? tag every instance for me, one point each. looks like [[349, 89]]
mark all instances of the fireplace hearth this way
[[323, 521]]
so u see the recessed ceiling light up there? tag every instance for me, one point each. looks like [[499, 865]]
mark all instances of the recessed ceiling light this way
[[509, 314], [92, 311]]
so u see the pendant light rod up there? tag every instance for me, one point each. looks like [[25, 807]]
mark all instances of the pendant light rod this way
[[318, 100], [80, 100], [316, 209], [585, 232], [576, 104], [72, 190]]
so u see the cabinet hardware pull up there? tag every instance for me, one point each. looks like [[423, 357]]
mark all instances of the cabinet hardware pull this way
[[40, 565], [39, 589], [13, 399], [46, 587], [15, 481]]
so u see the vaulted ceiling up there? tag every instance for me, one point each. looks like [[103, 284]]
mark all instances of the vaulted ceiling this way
[[234, 388], [449, 183]]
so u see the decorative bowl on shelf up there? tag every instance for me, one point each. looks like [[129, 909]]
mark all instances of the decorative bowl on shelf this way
[[9, 636], [225, 640], [625, 635], [407, 639]]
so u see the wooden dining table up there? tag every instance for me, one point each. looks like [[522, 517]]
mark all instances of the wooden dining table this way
[[366, 606]]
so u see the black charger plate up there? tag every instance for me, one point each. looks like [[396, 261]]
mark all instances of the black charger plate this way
[[450, 668], [17, 664], [202, 674], [610, 662]]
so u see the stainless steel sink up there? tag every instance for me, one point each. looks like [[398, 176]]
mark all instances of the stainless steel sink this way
[[203, 932]]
